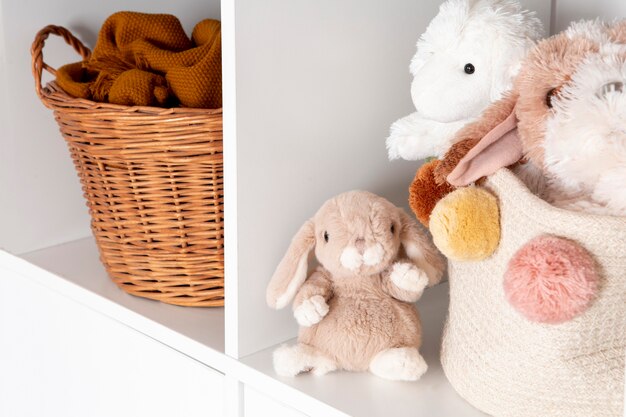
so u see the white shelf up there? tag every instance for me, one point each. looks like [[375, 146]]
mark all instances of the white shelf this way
[[362, 394], [310, 89], [74, 269]]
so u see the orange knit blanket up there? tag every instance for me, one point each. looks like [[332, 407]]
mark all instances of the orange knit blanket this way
[[148, 60]]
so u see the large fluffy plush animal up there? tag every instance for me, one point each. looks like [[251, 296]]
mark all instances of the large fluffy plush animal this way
[[355, 310]]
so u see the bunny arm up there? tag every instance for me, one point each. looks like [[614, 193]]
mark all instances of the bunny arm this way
[[413, 137], [318, 283], [404, 281], [311, 302]]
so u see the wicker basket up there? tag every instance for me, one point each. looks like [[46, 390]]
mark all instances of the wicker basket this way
[[509, 366], [153, 180]]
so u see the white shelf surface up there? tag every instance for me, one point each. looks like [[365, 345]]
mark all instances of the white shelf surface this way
[[363, 394], [74, 270]]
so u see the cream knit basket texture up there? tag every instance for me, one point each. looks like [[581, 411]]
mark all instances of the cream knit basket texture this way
[[508, 366]]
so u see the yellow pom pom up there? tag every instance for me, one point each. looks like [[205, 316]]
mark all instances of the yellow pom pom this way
[[465, 224]]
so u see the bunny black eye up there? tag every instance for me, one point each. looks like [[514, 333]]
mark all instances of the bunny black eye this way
[[326, 236], [393, 229], [469, 68]]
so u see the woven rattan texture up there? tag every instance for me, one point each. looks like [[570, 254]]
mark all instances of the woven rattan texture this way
[[508, 366], [153, 181]]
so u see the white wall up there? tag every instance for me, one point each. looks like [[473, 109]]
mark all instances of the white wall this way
[[41, 202], [569, 10], [318, 84]]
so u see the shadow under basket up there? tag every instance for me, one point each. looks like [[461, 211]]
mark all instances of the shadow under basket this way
[[153, 181]]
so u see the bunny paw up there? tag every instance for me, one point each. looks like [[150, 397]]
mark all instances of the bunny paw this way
[[296, 359], [400, 147], [408, 277], [311, 311], [399, 364]]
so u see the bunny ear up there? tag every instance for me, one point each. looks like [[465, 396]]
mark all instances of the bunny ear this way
[[420, 250], [470, 135], [501, 147], [292, 269]]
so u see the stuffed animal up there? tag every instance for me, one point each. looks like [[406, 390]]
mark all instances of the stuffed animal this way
[[567, 117], [355, 310], [465, 60]]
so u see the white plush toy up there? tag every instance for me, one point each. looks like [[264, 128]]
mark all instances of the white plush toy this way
[[466, 59]]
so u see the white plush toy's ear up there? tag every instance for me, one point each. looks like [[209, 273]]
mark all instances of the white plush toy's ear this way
[[292, 269], [506, 66], [504, 76], [442, 29], [517, 32], [420, 250]]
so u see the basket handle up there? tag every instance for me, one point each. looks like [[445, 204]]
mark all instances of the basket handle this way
[[36, 52]]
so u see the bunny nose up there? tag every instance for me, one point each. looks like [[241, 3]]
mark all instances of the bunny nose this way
[[612, 87], [360, 244]]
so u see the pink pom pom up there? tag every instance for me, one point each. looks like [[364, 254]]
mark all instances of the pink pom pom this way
[[551, 280]]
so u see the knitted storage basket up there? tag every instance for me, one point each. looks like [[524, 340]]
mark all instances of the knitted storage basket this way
[[506, 365], [153, 181]]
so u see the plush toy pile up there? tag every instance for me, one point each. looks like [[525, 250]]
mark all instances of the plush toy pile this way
[[466, 59], [148, 60], [565, 119], [540, 273], [537, 320]]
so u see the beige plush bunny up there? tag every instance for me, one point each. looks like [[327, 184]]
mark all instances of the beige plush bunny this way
[[355, 309]]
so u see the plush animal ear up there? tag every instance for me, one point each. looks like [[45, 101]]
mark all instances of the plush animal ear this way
[[482, 147], [516, 38], [501, 147], [292, 269], [420, 250]]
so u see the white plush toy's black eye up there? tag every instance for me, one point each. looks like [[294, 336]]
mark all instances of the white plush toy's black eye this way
[[469, 68], [393, 229], [326, 236]]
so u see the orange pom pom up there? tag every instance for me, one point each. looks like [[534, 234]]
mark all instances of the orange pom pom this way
[[424, 192]]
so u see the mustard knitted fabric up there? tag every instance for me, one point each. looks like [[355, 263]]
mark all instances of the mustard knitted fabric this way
[[148, 60]]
